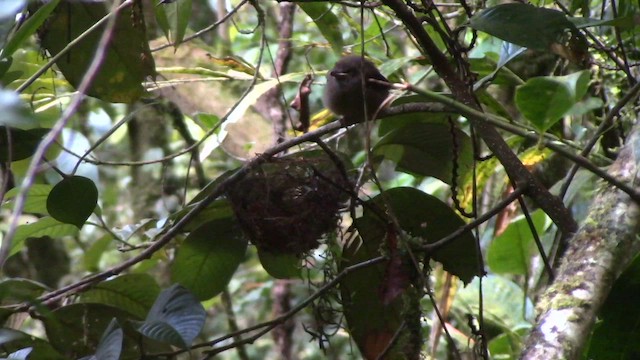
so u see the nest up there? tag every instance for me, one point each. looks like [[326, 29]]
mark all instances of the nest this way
[[287, 204]]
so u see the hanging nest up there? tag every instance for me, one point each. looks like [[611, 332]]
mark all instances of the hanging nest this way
[[286, 204]]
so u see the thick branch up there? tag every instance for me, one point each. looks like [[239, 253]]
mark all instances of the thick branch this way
[[596, 256]]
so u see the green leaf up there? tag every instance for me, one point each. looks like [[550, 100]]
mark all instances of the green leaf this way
[[20, 290], [110, 345], [134, 293], [327, 22], [543, 101], [76, 330], [504, 303], [93, 255], [176, 317], [127, 63], [28, 28], [15, 341], [369, 321], [426, 217], [427, 149], [36, 202], [513, 249], [46, 226], [523, 24], [208, 258], [173, 18], [23, 143], [280, 266], [72, 200]]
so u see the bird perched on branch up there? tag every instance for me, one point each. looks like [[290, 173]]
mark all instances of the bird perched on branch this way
[[344, 95]]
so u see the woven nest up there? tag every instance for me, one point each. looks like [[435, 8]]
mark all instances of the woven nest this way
[[287, 204]]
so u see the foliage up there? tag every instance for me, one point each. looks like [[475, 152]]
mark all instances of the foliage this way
[[148, 211]]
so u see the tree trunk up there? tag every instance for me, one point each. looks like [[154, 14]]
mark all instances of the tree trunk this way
[[597, 254]]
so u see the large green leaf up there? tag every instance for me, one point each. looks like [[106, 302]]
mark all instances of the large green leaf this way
[[36, 202], [27, 29], [523, 24], [280, 266], [511, 252], [504, 303], [72, 200], [208, 258], [426, 217], [543, 101], [173, 18], [176, 317], [14, 340], [427, 149], [46, 226], [23, 143], [76, 330], [326, 21], [371, 323], [128, 61], [18, 290], [110, 345], [134, 293]]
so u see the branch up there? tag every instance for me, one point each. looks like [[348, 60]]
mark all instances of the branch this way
[[597, 254], [461, 91]]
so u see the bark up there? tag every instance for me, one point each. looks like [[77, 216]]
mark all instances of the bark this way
[[596, 256]]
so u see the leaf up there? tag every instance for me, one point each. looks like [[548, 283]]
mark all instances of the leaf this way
[[543, 101], [15, 342], [20, 290], [36, 202], [94, 253], [371, 323], [76, 330], [134, 293], [23, 143], [426, 149], [176, 317], [327, 22], [523, 24], [72, 200], [426, 217], [127, 63], [110, 345], [504, 303], [173, 18], [280, 266], [208, 258], [27, 29], [46, 226], [512, 251]]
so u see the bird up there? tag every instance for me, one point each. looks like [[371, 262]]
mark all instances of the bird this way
[[343, 93]]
